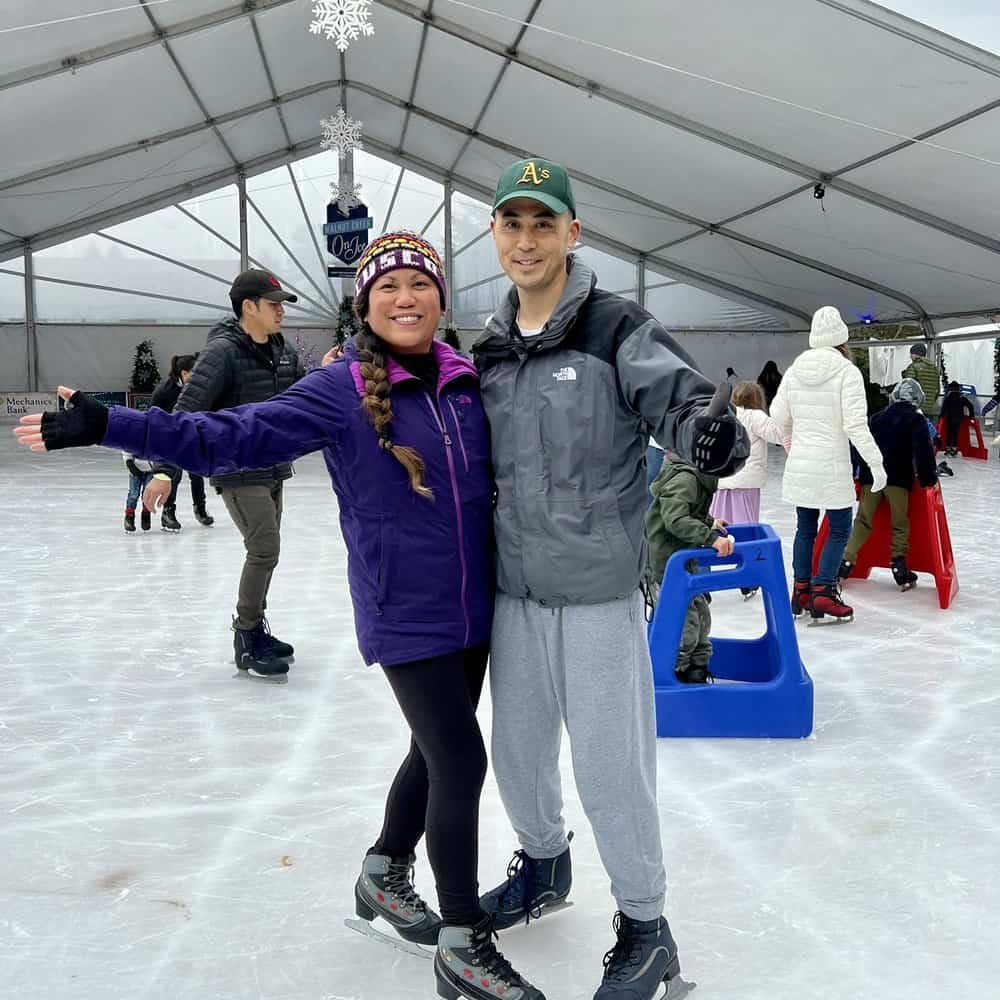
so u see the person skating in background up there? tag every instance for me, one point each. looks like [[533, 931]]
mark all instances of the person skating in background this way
[[737, 498], [165, 397], [769, 379], [821, 406], [140, 472], [246, 360], [404, 436], [927, 374], [954, 408], [679, 519], [575, 380], [900, 432]]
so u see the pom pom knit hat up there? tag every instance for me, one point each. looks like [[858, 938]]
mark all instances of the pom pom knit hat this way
[[394, 250]]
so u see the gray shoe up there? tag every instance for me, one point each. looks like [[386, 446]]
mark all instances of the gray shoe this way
[[385, 889], [467, 964]]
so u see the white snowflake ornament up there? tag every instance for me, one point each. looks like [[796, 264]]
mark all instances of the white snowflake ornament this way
[[345, 198], [342, 21], [341, 132]]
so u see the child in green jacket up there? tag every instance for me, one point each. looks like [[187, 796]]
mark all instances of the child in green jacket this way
[[679, 519]]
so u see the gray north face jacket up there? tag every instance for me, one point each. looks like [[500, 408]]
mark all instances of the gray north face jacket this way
[[571, 411]]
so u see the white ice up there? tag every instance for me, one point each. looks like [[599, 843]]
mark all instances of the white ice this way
[[170, 832]]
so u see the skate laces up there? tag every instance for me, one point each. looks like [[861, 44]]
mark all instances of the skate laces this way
[[626, 952], [399, 881], [520, 882], [485, 953]]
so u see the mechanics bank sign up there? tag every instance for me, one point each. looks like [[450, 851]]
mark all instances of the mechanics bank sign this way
[[14, 405]]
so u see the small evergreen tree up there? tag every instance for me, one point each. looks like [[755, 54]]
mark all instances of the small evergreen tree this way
[[348, 323], [145, 373]]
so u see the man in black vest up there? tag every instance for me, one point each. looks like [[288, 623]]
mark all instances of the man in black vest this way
[[246, 360]]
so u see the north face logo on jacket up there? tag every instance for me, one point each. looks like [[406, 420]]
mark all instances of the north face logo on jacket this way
[[567, 374]]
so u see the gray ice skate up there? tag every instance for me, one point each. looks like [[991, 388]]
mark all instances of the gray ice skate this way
[[385, 889]]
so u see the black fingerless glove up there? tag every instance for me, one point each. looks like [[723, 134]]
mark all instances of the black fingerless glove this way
[[133, 468], [83, 422], [715, 434]]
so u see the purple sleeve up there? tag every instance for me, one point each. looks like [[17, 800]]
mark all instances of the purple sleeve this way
[[307, 417]]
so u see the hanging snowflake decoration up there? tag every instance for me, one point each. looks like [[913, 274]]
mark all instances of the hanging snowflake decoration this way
[[342, 21], [341, 132], [346, 197]]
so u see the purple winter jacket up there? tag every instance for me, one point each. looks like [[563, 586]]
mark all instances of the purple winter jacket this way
[[421, 571]]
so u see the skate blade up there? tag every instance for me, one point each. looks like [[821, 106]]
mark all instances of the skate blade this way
[[407, 947], [830, 620], [257, 679], [564, 904], [677, 988]]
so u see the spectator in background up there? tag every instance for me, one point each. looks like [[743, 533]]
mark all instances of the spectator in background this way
[[140, 471], [165, 397], [927, 375], [954, 408], [769, 379]]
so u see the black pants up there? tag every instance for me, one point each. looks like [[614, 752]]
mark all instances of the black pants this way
[[197, 491], [952, 427], [436, 790]]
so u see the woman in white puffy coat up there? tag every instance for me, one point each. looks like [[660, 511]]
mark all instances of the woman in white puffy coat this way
[[821, 406]]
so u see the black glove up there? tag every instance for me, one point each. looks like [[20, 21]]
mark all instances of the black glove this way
[[133, 468], [83, 422], [715, 432]]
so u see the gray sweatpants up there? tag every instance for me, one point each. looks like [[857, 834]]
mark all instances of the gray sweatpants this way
[[585, 665]]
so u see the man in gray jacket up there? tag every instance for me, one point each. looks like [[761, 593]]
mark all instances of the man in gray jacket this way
[[246, 360], [574, 381]]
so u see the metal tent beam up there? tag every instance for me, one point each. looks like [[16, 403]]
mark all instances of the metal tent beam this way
[[416, 72], [311, 228], [270, 78], [715, 136], [30, 326], [88, 57], [392, 200]]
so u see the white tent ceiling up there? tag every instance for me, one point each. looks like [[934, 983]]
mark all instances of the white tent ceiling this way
[[109, 117]]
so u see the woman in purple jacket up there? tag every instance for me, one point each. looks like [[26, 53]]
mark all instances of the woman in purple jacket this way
[[401, 425]]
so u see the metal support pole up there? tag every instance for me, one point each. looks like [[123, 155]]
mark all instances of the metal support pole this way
[[30, 329], [449, 263], [241, 187], [640, 281], [345, 179]]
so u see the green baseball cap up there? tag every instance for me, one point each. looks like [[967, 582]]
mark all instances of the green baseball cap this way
[[540, 180]]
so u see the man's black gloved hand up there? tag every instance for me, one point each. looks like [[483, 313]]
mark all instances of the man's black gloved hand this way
[[715, 433], [133, 468], [83, 422]]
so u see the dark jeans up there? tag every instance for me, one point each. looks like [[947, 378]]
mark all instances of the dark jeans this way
[[197, 491], [654, 462], [833, 550], [951, 429], [436, 790], [256, 511]]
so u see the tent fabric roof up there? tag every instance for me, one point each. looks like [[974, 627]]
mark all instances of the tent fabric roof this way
[[110, 117]]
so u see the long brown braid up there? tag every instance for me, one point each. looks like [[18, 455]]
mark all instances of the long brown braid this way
[[378, 406]]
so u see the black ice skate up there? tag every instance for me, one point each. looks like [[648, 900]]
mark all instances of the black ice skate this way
[[282, 650], [800, 597], [845, 570], [130, 521], [905, 578], [202, 516], [168, 520], [694, 673], [385, 889], [254, 655], [749, 593], [944, 469], [532, 886], [467, 964], [145, 520], [644, 956]]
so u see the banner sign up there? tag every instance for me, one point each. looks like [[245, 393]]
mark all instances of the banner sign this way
[[104, 398], [341, 272], [347, 232], [14, 405], [140, 400]]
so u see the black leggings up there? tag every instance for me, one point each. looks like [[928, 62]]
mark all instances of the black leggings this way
[[436, 790]]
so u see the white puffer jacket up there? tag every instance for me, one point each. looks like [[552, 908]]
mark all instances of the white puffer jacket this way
[[821, 406], [761, 429]]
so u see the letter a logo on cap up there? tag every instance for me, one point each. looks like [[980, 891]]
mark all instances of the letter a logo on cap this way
[[533, 175]]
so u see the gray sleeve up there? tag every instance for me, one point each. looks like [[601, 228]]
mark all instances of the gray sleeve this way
[[662, 385], [210, 378]]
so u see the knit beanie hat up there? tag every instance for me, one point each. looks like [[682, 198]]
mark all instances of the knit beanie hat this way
[[919, 350], [828, 329], [401, 248], [909, 391]]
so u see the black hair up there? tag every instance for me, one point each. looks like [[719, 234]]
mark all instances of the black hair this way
[[181, 363]]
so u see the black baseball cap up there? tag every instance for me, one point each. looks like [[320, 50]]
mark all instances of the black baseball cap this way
[[257, 284]]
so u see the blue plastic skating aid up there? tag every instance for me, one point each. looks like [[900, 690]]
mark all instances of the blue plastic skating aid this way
[[762, 688]]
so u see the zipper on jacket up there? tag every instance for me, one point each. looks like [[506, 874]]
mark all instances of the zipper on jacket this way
[[458, 507], [458, 428]]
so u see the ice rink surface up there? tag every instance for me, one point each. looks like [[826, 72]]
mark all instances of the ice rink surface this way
[[171, 832]]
